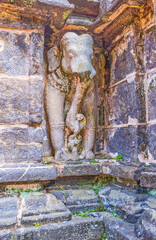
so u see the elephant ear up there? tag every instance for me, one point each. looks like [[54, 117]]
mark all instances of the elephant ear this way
[[54, 59]]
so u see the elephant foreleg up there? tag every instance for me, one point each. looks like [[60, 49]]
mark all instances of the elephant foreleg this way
[[90, 111], [55, 110]]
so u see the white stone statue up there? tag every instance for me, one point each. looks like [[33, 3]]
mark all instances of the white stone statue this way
[[70, 97]]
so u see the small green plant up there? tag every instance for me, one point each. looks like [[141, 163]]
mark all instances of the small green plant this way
[[104, 237], [96, 189], [114, 214], [37, 224], [119, 157], [85, 213], [93, 161]]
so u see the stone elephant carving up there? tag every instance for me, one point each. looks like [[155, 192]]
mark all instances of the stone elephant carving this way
[[70, 97]]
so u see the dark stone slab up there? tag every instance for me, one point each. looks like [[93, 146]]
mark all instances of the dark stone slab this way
[[117, 229], [59, 195], [122, 171], [150, 48], [151, 96], [126, 102], [8, 212], [148, 179], [145, 226], [78, 229], [81, 200], [6, 235], [125, 59], [152, 142], [83, 169], [129, 141], [44, 208], [122, 141], [27, 173], [14, 52], [128, 205]]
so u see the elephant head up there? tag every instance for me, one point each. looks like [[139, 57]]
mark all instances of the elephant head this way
[[77, 53]]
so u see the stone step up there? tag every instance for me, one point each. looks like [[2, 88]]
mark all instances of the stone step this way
[[117, 229], [33, 209], [76, 229], [126, 203]]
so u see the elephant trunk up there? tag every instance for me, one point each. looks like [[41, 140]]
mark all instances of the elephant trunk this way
[[81, 89]]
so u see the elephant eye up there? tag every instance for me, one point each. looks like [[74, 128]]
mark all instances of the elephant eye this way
[[71, 55]]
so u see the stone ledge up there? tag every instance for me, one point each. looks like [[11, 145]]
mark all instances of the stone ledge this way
[[122, 171], [25, 173], [82, 229], [59, 170], [79, 169]]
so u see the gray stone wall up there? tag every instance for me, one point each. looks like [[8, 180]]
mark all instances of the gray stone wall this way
[[21, 94], [130, 105]]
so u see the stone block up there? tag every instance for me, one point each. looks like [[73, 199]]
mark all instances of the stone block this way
[[81, 200], [6, 235], [152, 142], [21, 100], [129, 141], [145, 226], [148, 179], [36, 53], [126, 102], [124, 59], [117, 229], [83, 169], [25, 172], [44, 208], [8, 212], [122, 141], [14, 100], [150, 48], [36, 100], [78, 229], [122, 171], [19, 143], [151, 96], [14, 57], [59, 195], [128, 205]]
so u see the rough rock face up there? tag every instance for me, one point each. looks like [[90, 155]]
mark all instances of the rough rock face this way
[[145, 226]]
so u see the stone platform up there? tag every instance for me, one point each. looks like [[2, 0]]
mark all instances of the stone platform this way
[[97, 213], [78, 200], [140, 174]]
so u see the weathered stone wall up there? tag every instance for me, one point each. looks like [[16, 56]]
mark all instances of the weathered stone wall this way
[[125, 81], [130, 104], [21, 93]]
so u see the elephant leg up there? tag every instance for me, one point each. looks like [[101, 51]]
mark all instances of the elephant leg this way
[[55, 110], [90, 111]]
